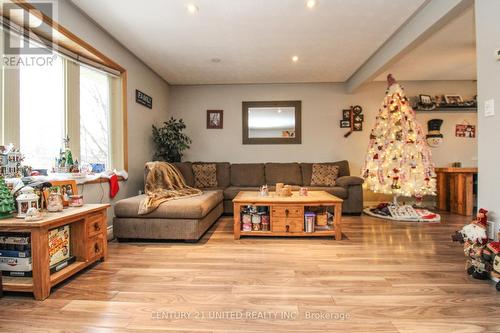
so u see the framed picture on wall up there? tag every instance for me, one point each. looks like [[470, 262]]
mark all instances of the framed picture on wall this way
[[215, 119]]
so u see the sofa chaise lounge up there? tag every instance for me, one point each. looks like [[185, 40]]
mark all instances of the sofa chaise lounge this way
[[189, 218]]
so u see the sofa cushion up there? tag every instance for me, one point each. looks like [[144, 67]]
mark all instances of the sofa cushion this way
[[337, 191], [324, 174], [307, 170], [288, 173], [183, 208], [232, 191], [247, 174], [186, 170], [205, 175], [223, 172]]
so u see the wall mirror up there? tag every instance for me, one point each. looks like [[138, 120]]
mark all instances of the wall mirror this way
[[272, 122]]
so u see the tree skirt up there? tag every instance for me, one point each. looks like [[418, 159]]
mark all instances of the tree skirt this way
[[404, 213]]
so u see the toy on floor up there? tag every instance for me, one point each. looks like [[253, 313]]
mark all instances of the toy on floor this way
[[491, 254], [474, 238]]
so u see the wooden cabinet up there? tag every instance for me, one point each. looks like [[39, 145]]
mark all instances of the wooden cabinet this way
[[287, 213], [88, 243], [455, 190]]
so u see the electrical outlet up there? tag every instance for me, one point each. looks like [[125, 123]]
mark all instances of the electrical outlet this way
[[489, 108]]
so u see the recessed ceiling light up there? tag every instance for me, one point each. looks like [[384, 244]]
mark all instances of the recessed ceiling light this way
[[311, 4], [295, 58], [215, 60], [192, 8]]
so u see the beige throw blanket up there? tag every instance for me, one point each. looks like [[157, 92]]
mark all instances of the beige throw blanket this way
[[164, 183]]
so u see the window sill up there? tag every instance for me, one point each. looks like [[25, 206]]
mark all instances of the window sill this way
[[101, 180]]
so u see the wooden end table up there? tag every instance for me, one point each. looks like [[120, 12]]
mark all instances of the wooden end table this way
[[455, 189], [287, 213], [88, 243]]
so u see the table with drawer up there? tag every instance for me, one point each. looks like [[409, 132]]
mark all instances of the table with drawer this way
[[88, 243], [287, 213]]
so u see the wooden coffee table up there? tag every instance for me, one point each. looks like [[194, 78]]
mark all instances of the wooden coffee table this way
[[287, 213]]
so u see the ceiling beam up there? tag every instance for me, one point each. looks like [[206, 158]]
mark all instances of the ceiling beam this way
[[429, 18]]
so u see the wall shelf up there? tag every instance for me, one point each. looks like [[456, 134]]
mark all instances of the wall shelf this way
[[449, 110]]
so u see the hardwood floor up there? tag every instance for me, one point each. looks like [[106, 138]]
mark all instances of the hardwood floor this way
[[383, 277]]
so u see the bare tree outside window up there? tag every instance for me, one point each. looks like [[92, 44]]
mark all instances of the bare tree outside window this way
[[94, 116]]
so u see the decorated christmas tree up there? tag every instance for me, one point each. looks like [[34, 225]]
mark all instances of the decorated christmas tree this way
[[6, 201], [398, 160]]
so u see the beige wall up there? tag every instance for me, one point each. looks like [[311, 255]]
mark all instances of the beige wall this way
[[322, 139], [140, 118], [488, 83]]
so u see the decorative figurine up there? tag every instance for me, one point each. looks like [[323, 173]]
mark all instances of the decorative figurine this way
[[26, 200], [474, 238], [434, 137], [55, 202], [492, 255]]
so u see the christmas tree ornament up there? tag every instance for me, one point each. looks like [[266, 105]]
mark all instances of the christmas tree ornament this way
[[434, 137], [6, 200]]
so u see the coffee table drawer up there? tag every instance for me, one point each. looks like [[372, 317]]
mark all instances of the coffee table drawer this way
[[95, 247], [287, 225], [288, 211]]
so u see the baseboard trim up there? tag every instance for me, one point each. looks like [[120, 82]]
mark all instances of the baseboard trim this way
[[109, 230]]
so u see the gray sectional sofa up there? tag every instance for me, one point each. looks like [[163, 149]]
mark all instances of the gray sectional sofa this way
[[189, 218]]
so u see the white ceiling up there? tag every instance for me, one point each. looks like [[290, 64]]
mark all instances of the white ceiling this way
[[255, 39], [449, 54]]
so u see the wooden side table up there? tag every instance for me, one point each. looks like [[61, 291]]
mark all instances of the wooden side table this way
[[88, 239], [455, 189]]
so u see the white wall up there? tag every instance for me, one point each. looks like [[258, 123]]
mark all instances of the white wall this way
[[488, 82], [322, 138], [140, 118]]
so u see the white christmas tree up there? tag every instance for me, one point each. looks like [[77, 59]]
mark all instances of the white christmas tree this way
[[398, 160]]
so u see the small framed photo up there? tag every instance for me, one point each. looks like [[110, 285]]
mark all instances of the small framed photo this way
[[425, 99], [357, 126], [358, 118], [345, 124], [67, 188], [346, 114], [453, 99], [215, 119]]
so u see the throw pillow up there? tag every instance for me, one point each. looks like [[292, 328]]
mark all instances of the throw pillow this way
[[205, 175], [324, 174]]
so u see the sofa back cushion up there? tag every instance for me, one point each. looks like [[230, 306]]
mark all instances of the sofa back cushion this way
[[223, 173], [186, 170], [247, 174], [205, 175], [288, 173], [307, 170]]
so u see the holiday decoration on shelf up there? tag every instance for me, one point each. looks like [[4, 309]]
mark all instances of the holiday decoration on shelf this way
[[482, 256], [7, 205], [65, 163], [11, 162], [434, 137], [398, 161], [352, 118]]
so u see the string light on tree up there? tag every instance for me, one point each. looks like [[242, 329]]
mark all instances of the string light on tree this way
[[398, 161]]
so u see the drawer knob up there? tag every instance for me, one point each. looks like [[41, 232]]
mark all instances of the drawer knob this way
[[96, 248], [97, 227], [287, 228], [286, 212]]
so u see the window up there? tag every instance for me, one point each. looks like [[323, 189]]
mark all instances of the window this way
[[41, 113], [94, 116]]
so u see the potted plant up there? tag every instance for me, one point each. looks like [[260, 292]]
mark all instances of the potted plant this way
[[169, 140]]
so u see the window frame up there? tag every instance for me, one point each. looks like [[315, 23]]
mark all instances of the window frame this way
[[65, 39]]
